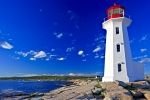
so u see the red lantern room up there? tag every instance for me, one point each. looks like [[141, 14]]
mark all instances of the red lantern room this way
[[115, 11]]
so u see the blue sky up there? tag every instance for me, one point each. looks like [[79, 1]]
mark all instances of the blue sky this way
[[64, 36]]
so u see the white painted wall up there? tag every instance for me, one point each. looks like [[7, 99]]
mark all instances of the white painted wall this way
[[113, 58]]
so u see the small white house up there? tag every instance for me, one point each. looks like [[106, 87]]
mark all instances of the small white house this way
[[118, 58]]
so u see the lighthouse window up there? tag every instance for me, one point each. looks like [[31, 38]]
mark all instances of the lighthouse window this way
[[119, 67], [116, 11], [117, 30], [118, 48], [121, 11]]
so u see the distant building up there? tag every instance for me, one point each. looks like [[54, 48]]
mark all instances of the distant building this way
[[97, 77], [118, 58]]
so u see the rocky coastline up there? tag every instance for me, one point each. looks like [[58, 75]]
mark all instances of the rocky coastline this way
[[92, 90], [96, 90]]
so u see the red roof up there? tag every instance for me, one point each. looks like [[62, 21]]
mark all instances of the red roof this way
[[114, 7], [114, 15]]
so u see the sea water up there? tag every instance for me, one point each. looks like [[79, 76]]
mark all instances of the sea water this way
[[10, 86]]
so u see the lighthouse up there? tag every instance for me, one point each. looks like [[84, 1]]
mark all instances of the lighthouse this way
[[118, 58]]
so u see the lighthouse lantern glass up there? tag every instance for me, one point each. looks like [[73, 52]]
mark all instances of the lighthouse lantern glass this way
[[115, 11]]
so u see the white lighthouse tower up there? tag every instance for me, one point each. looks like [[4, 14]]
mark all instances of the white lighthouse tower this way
[[118, 58]]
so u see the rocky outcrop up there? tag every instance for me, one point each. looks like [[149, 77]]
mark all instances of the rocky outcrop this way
[[80, 91], [147, 96], [92, 90], [137, 94], [116, 92], [139, 85], [120, 83], [146, 93], [83, 90]]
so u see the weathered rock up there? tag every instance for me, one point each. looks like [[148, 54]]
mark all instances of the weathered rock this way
[[75, 92], [112, 91], [140, 85], [118, 96], [146, 93], [147, 96], [97, 91], [137, 94], [116, 92], [120, 83]]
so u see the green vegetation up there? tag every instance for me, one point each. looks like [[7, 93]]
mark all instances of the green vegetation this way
[[49, 78], [98, 91], [98, 85]]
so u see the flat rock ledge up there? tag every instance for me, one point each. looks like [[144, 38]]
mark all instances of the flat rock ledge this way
[[81, 90], [127, 91], [95, 90], [116, 92]]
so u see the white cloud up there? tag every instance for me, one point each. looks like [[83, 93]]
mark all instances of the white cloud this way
[[72, 74], [33, 59], [145, 60], [6, 45], [84, 60], [99, 56], [143, 50], [69, 49], [97, 49], [71, 14], [140, 57], [52, 50], [58, 35], [61, 59], [102, 57], [96, 56], [28, 75], [40, 54], [81, 52], [51, 56], [83, 74], [144, 38], [22, 53], [33, 55], [47, 59], [32, 52], [25, 54]]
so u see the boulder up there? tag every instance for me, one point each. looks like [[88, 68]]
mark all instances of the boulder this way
[[137, 94], [118, 96], [116, 92], [120, 83], [147, 96], [140, 85], [146, 93]]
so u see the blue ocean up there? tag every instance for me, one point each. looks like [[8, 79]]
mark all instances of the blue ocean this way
[[29, 86]]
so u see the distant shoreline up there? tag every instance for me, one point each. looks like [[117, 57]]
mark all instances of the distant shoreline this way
[[49, 78]]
